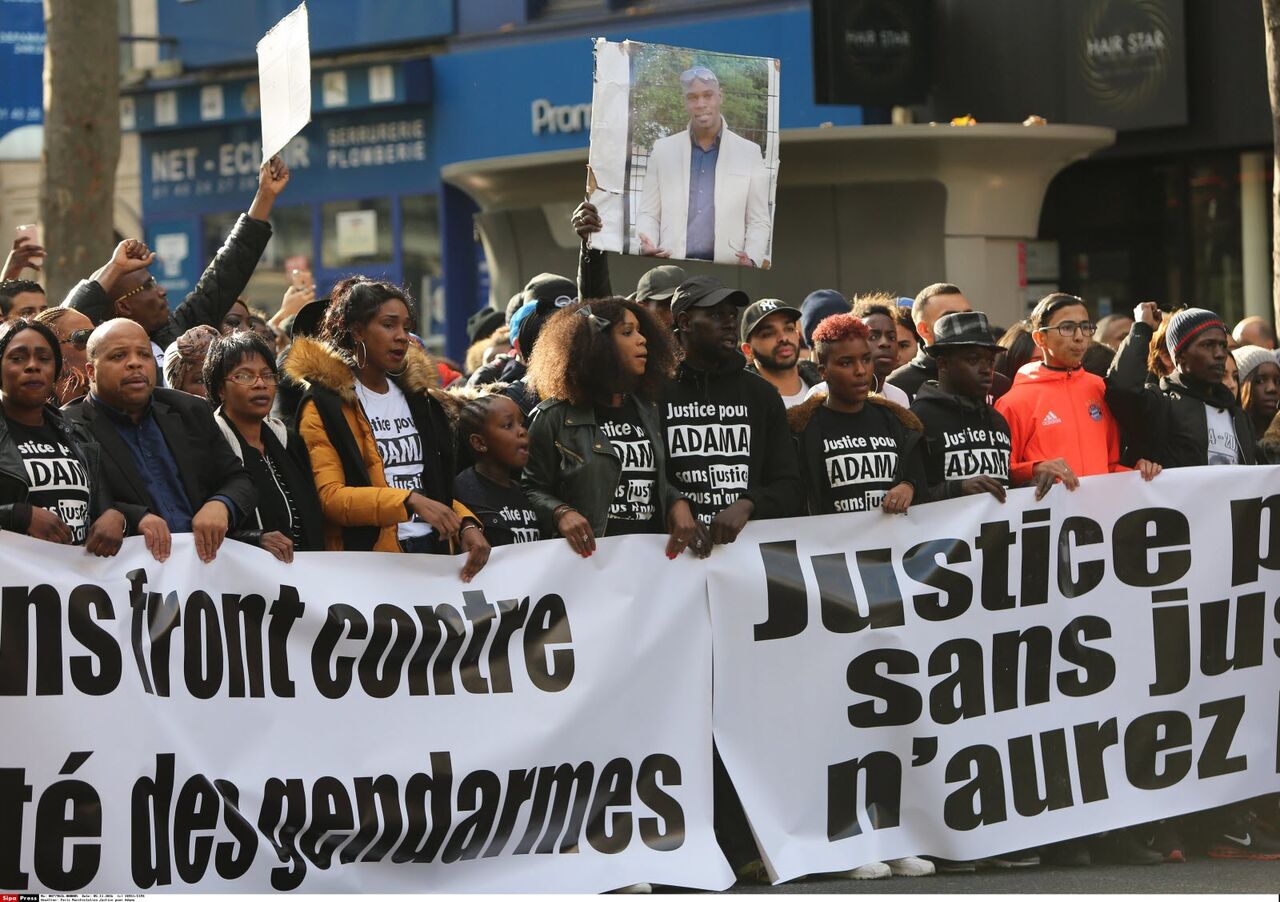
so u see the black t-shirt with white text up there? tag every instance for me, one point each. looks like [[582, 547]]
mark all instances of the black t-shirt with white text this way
[[58, 481], [709, 444], [503, 510], [634, 507], [963, 439], [857, 458], [972, 451]]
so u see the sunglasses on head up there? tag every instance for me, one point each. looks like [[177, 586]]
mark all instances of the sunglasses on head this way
[[79, 338]]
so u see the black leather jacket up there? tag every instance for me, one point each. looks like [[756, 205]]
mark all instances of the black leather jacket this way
[[572, 462]]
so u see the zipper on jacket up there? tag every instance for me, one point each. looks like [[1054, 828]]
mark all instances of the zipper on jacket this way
[[570, 454]]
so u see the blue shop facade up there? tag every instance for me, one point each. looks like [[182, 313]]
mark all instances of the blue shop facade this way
[[409, 88]]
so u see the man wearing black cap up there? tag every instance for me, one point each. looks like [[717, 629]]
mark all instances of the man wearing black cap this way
[[728, 445], [656, 288], [966, 439], [771, 343]]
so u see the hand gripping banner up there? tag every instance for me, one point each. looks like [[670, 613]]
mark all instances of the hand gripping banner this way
[[976, 678], [354, 722]]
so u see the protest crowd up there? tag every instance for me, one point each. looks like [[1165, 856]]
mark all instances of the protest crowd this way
[[680, 407]]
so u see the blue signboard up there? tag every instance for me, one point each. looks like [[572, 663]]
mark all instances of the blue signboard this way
[[525, 97], [215, 32], [21, 72], [353, 155]]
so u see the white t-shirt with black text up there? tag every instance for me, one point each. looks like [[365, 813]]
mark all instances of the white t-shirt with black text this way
[[399, 445], [1223, 447]]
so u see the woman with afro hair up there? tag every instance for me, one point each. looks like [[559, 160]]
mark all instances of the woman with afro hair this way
[[597, 465]]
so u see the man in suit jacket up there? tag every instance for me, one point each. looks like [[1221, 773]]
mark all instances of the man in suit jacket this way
[[706, 191], [163, 457]]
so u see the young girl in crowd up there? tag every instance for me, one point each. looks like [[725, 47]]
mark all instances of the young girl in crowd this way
[[596, 460], [381, 445], [857, 452], [491, 432], [51, 485], [1258, 381]]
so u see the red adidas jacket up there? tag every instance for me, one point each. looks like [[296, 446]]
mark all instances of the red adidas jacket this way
[[1059, 413]]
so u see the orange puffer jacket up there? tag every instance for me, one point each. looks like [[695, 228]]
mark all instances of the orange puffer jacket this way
[[1056, 413], [314, 364]]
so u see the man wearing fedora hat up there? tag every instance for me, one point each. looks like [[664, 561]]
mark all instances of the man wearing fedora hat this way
[[966, 440]]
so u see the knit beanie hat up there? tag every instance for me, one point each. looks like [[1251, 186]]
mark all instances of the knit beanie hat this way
[[1249, 358], [816, 307], [1186, 325]]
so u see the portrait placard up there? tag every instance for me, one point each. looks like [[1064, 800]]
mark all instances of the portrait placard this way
[[684, 153]]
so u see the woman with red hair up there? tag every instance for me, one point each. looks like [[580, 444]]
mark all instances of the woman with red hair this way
[[857, 451]]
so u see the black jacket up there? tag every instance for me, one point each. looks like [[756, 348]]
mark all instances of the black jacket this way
[[773, 477], [572, 462], [15, 513], [205, 463], [593, 274], [922, 368], [506, 368], [289, 453], [900, 422], [1168, 424], [223, 280], [963, 439]]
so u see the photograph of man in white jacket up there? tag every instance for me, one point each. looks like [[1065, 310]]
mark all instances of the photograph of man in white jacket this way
[[705, 194]]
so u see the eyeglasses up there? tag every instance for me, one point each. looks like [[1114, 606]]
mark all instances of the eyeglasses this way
[[150, 283], [1069, 328], [79, 338], [243, 378]]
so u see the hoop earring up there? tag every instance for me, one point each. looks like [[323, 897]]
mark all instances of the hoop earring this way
[[403, 369], [361, 350]]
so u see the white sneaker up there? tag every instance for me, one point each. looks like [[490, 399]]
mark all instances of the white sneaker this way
[[635, 889], [872, 870], [911, 866]]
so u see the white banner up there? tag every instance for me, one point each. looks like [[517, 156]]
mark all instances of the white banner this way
[[284, 81], [975, 678], [354, 722]]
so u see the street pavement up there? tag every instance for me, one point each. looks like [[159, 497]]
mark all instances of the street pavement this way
[[1199, 875]]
